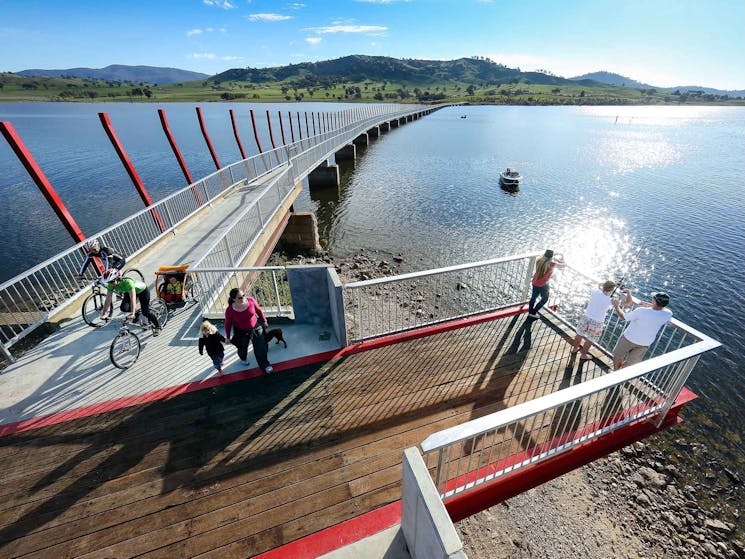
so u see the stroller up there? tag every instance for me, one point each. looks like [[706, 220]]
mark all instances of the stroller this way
[[176, 286]]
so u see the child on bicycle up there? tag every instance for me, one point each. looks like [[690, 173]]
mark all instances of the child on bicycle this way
[[131, 289], [212, 340], [109, 257]]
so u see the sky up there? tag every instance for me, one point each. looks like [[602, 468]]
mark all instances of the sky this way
[[664, 43]]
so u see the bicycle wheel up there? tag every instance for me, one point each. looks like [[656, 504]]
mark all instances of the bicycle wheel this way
[[193, 291], [160, 310], [92, 307], [133, 273], [125, 349]]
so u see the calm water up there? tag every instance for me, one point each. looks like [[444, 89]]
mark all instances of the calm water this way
[[653, 194]]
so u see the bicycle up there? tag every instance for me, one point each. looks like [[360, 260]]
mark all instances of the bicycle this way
[[125, 347], [93, 304]]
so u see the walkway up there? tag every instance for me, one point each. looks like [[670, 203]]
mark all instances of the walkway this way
[[71, 369], [242, 468]]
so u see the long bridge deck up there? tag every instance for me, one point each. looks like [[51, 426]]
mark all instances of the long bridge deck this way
[[244, 467]]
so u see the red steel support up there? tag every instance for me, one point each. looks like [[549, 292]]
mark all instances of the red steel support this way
[[177, 153], [256, 134], [271, 134], [174, 147], [313, 120], [207, 138], [292, 132], [307, 129], [104, 118], [235, 133], [281, 128], [299, 127], [33, 169]]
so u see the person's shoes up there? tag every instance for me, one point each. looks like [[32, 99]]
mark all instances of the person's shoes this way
[[533, 315], [156, 332], [269, 370], [585, 357], [219, 372]]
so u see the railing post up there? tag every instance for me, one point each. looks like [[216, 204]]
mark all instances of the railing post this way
[[203, 128]]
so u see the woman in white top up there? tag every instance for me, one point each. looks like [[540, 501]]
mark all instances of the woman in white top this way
[[591, 324]]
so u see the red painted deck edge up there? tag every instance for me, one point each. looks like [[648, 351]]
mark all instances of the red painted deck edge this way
[[335, 537], [161, 394]]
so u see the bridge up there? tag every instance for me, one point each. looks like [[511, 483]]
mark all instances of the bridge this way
[[167, 459]]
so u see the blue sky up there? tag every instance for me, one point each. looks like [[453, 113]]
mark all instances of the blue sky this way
[[661, 42]]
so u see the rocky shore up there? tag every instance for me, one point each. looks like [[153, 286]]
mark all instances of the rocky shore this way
[[641, 502]]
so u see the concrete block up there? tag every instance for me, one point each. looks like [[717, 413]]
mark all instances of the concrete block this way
[[310, 294], [346, 153], [324, 175]]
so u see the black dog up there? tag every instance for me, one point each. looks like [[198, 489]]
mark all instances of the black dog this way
[[274, 333]]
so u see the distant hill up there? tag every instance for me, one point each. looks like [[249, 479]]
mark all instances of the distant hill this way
[[622, 81], [359, 68], [121, 73]]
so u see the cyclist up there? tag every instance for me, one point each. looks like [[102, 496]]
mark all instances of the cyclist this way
[[108, 256], [129, 288]]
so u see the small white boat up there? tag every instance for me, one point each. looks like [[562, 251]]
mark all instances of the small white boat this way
[[510, 179]]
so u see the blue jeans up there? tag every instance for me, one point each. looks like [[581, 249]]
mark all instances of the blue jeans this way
[[541, 292], [217, 360]]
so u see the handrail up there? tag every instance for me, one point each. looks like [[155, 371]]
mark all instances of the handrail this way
[[22, 306]]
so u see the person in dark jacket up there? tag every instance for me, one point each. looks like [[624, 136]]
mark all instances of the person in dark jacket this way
[[212, 340]]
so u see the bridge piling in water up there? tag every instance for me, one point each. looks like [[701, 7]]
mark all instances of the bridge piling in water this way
[[346, 153]]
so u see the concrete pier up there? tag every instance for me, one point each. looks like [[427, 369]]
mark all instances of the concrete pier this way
[[301, 232], [346, 153], [362, 140], [374, 132], [324, 175]]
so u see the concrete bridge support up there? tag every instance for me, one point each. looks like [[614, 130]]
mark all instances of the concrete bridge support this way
[[385, 126], [301, 233], [362, 140], [347, 153], [394, 123], [374, 132], [324, 175]]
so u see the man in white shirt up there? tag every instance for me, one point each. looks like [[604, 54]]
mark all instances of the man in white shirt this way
[[644, 323]]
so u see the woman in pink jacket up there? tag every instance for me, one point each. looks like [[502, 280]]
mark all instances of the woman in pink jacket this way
[[245, 319]]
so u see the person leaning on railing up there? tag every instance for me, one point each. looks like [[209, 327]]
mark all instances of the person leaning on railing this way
[[109, 257], [130, 288], [644, 323], [544, 267]]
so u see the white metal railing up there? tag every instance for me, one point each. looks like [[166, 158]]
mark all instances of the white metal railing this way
[[267, 284], [394, 304], [473, 453], [31, 298]]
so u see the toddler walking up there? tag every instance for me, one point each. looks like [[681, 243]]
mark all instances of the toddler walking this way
[[212, 340]]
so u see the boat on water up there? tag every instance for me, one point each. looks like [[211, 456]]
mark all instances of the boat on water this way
[[510, 179]]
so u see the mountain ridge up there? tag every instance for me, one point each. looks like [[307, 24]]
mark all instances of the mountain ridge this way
[[619, 80], [121, 73]]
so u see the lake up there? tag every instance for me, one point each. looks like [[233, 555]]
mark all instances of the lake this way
[[652, 194]]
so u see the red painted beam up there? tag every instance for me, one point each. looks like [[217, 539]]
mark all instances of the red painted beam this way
[[177, 153], [313, 120], [129, 167], [38, 176], [281, 128], [203, 128], [292, 132], [235, 133], [271, 134], [174, 147], [256, 133], [299, 127], [307, 129]]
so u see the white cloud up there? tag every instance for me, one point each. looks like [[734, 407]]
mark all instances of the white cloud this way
[[373, 29], [192, 32], [203, 56], [268, 17], [295, 6], [224, 4], [230, 58], [381, 1], [313, 40]]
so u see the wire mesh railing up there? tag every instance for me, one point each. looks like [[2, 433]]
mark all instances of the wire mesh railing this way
[[480, 451], [267, 284], [387, 305]]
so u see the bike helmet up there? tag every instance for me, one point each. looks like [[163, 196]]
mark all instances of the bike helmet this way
[[90, 244], [111, 275]]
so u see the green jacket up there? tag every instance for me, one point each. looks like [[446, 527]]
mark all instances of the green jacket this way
[[126, 285]]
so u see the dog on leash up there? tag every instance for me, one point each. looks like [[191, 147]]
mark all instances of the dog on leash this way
[[274, 334]]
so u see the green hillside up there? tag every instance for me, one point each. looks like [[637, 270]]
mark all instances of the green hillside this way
[[360, 79]]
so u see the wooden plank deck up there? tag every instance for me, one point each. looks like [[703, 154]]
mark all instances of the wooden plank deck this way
[[237, 470]]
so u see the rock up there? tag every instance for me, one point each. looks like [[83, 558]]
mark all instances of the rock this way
[[718, 526]]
